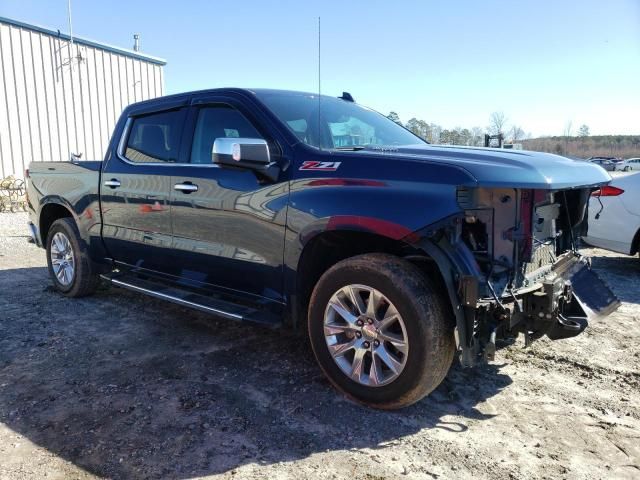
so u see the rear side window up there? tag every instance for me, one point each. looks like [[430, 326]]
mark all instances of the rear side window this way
[[156, 137], [220, 121]]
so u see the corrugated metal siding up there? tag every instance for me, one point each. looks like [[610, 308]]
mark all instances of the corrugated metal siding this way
[[53, 104]]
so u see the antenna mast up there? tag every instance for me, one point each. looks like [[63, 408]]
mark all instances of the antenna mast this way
[[319, 86], [70, 33]]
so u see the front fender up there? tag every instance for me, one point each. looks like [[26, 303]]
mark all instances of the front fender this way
[[393, 209], [390, 208]]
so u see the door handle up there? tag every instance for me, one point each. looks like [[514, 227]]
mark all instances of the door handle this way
[[113, 183], [186, 187]]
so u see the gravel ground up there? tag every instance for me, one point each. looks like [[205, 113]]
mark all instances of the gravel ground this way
[[121, 386]]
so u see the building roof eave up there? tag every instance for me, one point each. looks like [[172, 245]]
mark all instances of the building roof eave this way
[[85, 41]]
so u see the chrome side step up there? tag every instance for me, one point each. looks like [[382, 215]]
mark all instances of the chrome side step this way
[[186, 298]]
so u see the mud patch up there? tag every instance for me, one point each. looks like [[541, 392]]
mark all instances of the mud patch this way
[[117, 386]]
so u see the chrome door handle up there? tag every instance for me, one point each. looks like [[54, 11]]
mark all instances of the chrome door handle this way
[[113, 183], [185, 187]]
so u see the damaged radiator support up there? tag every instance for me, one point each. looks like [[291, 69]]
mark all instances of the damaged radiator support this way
[[515, 270]]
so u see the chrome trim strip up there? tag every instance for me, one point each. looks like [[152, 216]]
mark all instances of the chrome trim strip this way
[[185, 187], [125, 134], [169, 298]]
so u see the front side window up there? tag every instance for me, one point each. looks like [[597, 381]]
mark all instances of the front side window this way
[[334, 123], [156, 137], [220, 121]]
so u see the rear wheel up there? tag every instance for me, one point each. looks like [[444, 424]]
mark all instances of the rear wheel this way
[[68, 260], [380, 330]]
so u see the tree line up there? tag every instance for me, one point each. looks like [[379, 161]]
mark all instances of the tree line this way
[[581, 144], [474, 136], [620, 146]]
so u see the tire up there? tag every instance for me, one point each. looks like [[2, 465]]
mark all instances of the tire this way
[[626, 169], [83, 280], [426, 323]]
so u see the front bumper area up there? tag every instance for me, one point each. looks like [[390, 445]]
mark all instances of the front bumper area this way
[[559, 304], [570, 296]]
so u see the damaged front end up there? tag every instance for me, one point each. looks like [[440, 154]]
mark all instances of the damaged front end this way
[[511, 266]]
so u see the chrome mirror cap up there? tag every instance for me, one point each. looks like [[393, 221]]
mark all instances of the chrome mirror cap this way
[[240, 151]]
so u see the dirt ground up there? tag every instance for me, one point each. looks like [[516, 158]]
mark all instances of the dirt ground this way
[[118, 385]]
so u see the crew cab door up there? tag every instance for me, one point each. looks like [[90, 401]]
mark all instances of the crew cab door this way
[[228, 222], [136, 187]]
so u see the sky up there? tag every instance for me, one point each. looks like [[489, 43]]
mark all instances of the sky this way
[[541, 62]]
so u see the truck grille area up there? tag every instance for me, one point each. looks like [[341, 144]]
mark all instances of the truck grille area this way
[[542, 260], [516, 236]]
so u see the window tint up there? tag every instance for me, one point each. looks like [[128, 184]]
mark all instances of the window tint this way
[[221, 121], [155, 137]]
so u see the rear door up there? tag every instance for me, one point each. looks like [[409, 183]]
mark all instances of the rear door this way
[[228, 223], [136, 188]]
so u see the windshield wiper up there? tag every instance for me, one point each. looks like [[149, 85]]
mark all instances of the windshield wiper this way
[[351, 147]]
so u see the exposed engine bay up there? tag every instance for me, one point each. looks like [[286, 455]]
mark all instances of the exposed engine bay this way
[[517, 267]]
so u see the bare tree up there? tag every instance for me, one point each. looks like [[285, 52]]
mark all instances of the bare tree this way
[[568, 128], [567, 135], [516, 133], [497, 123], [435, 132], [476, 136]]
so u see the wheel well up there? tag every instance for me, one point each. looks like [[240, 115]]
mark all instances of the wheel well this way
[[49, 214], [635, 244], [329, 248]]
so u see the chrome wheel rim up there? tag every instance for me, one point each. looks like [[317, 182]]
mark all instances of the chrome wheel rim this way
[[62, 259], [366, 335]]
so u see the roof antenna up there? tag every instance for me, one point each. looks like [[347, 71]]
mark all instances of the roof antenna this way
[[319, 89], [70, 33], [347, 97]]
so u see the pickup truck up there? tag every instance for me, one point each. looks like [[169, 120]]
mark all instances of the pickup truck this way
[[314, 213]]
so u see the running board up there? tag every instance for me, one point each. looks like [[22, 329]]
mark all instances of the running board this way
[[218, 307]]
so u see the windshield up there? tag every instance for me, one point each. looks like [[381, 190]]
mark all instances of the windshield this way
[[340, 125]]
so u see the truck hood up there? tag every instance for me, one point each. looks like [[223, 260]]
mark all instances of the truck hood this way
[[492, 167]]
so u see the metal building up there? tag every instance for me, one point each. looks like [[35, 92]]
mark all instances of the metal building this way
[[62, 95]]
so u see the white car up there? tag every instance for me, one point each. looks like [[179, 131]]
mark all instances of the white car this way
[[630, 164], [614, 216]]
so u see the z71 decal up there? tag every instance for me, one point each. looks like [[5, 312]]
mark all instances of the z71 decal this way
[[320, 166]]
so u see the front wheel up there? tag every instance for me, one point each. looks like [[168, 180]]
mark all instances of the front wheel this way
[[68, 260], [380, 330]]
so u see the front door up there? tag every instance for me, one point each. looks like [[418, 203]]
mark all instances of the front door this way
[[135, 191], [228, 223]]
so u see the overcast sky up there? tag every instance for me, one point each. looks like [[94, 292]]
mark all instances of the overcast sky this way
[[541, 62]]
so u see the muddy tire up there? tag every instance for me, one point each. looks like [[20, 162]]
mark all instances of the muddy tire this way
[[70, 267], [380, 330]]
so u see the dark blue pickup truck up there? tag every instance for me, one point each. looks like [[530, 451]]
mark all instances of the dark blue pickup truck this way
[[315, 213]]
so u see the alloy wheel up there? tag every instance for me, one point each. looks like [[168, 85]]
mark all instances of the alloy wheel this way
[[62, 260], [365, 335]]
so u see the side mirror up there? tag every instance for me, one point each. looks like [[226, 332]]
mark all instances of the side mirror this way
[[251, 153]]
